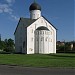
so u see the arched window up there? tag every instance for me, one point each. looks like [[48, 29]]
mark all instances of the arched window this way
[[42, 38], [43, 32], [40, 32]]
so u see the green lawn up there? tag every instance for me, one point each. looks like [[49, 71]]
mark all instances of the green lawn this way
[[39, 60]]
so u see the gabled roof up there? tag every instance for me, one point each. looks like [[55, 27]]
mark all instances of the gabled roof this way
[[25, 21]]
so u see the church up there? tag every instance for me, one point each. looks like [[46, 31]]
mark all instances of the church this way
[[35, 35]]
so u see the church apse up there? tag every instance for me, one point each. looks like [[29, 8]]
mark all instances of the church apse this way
[[42, 40]]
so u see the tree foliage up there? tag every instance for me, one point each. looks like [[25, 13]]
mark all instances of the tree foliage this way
[[7, 45], [66, 47]]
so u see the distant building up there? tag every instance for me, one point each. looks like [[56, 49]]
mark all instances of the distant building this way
[[35, 34], [59, 43], [71, 46]]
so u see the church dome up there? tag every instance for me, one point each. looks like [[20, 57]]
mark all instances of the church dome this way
[[42, 28], [34, 6]]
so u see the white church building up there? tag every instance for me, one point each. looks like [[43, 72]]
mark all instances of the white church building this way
[[35, 34]]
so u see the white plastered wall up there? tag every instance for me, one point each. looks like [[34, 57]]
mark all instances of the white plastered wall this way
[[35, 14], [30, 35]]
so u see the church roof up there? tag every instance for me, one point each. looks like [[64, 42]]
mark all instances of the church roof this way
[[25, 21], [34, 6], [42, 28]]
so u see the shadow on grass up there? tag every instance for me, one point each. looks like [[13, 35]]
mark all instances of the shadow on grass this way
[[63, 55]]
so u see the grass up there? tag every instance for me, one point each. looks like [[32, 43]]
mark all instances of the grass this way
[[39, 60]]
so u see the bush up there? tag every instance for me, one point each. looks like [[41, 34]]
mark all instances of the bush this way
[[9, 49]]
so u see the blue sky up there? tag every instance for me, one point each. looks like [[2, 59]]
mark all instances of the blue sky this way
[[59, 12]]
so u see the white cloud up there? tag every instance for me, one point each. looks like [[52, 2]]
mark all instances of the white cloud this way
[[10, 1], [1, 11], [15, 17], [6, 8]]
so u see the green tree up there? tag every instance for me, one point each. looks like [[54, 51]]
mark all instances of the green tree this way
[[9, 45], [2, 45]]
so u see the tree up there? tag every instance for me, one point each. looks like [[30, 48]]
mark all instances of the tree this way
[[2, 45], [66, 48], [9, 45]]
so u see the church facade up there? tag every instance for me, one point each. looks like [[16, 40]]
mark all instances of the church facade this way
[[35, 34]]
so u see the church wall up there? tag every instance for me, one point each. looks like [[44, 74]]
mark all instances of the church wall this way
[[52, 34], [46, 44], [36, 43], [51, 40], [18, 38], [43, 42], [24, 40], [54, 45], [52, 37], [30, 39], [30, 45]]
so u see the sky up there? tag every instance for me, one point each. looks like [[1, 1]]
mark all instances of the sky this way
[[59, 12]]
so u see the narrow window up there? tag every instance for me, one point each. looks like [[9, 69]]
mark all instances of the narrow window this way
[[40, 32], [43, 32], [46, 38], [51, 40], [42, 38]]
